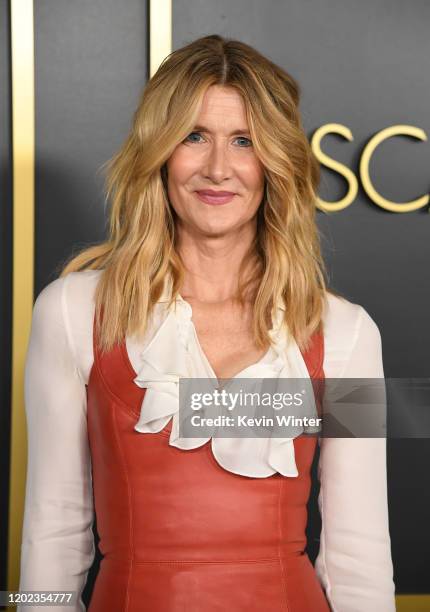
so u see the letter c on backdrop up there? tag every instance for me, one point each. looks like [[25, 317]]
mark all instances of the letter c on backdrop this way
[[395, 130]]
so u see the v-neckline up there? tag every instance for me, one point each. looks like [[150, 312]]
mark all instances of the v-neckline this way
[[203, 355], [208, 364]]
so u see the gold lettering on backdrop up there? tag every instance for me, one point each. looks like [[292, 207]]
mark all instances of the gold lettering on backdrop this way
[[377, 198], [389, 132], [327, 161]]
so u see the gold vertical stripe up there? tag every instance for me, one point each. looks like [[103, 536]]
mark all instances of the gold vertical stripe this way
[[22, 41], [413, 603], [160, 32]]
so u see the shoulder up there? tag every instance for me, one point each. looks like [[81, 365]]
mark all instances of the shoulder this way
[[75, 287], [66, 305], [345, 318], [68, 298], [347, 327]]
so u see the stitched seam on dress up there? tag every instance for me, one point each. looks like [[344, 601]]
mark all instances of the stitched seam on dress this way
[[283, 575], [192, 561], [129, 410], [97, 366], [110, 391], [130, 512]]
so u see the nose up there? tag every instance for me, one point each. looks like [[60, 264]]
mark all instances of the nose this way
[[217, 165]]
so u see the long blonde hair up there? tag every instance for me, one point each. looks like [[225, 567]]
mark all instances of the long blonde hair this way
[[139, 253]]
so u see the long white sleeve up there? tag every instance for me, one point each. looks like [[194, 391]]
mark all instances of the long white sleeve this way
[[58, 545], [354, 563]]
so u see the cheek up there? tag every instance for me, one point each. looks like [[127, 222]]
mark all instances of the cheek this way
[[253, 173], [180, 166]]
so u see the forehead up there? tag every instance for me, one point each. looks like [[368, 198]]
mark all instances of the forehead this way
[[222, 106]]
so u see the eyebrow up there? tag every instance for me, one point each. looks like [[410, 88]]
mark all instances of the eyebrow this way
[[202, 128]]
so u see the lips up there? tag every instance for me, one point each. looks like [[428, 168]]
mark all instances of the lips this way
[[210, 196]]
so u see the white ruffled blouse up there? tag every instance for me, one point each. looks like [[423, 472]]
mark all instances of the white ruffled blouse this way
[[175, 352], [58, 546]]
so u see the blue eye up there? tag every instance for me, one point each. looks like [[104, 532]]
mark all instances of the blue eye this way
[[190, 138], [191, 134], [247, 140]]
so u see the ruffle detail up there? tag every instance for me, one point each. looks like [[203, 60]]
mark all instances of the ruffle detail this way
[[170, 357]]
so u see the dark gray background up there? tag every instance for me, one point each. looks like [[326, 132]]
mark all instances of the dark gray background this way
[[361, 64]]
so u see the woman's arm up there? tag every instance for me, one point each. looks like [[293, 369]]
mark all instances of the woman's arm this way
[[57, 545], [354, 563]]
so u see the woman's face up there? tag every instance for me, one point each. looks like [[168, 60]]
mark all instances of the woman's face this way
[[216, 158]]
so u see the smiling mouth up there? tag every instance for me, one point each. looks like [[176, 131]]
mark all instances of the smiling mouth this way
[[213, 197]]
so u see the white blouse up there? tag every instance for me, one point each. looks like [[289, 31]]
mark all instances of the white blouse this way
[[174, 352], [354, 562]]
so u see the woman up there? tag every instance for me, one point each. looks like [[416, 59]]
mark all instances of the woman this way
[[212, 268]]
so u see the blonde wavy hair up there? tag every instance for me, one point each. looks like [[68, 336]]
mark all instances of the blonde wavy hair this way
[[140, 251]]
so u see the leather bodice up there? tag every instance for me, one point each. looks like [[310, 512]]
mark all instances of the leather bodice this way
[[159, 506]]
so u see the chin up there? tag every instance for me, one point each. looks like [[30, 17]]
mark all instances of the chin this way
[[216, 229]]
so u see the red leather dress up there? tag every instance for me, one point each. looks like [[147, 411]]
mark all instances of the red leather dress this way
[[178, 532]]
